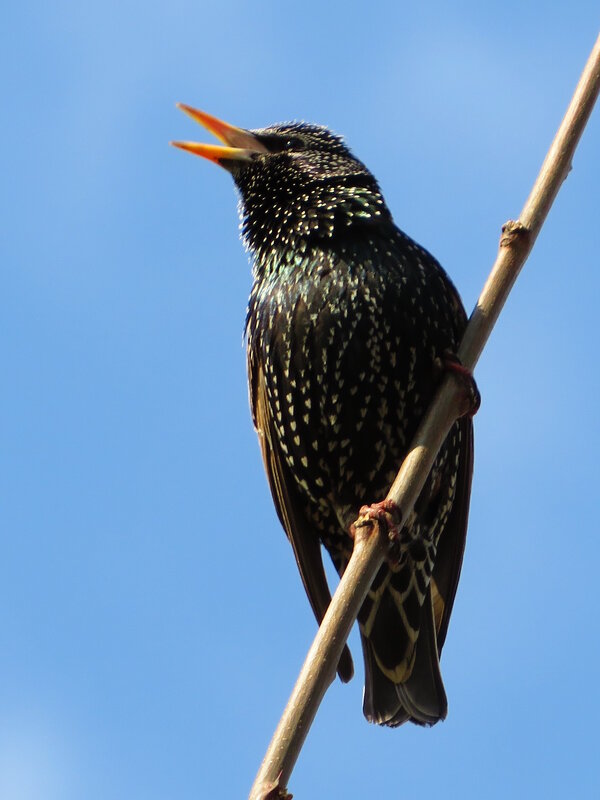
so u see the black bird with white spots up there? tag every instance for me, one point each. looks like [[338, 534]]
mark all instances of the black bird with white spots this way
[[346, 322]]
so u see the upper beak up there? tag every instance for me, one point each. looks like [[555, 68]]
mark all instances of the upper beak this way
[[241, 145]]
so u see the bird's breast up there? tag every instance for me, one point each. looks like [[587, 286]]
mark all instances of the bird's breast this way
[[348, 373]]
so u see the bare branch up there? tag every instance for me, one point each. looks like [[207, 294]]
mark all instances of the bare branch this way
[[371, 546]]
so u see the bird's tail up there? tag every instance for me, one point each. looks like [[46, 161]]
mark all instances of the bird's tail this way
[[402, 669]]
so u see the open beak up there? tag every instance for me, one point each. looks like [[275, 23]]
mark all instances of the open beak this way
[[239, 144]]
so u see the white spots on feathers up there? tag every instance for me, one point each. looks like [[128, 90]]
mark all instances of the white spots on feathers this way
[[343, 313]]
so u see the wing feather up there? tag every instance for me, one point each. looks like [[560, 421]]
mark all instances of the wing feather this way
[[289, 506], [451, 546]]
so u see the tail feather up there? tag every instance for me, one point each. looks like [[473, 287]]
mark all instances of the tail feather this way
[[403, 681], [421, 697]]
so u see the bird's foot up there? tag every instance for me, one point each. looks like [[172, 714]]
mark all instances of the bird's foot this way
[[386, 513], [450, 362]]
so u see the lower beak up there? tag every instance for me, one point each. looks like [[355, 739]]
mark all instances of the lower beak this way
[[239, 144]]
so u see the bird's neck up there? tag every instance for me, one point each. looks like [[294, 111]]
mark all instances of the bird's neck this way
[[286, 229]]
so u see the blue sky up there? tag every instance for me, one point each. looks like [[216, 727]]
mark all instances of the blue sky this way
[[151, 619]]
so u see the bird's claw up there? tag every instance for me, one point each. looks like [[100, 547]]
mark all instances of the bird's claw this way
[[450, 362], [386, 513]]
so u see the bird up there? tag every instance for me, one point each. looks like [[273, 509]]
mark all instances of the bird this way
[[347, 321]]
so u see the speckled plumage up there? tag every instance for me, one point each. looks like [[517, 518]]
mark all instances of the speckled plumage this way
[[346, 317]]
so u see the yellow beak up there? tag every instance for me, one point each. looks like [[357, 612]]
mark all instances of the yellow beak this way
[[239, 144]]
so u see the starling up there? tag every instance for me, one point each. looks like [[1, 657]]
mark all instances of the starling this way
[[346, 322]]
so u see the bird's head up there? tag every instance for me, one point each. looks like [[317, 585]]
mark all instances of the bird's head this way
[[299, 183]]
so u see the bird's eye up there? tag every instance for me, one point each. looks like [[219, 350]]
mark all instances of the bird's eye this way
[[279, 143], [293, 143]]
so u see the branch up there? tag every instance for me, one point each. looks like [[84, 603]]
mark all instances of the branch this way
[[370, 546]]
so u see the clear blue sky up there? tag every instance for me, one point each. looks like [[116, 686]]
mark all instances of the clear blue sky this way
[[152, 622]]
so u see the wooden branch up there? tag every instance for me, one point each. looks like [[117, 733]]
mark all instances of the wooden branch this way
[[371, 546]]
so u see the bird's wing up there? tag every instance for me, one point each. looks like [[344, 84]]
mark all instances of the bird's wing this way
[[451, 545], [289, 506]]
